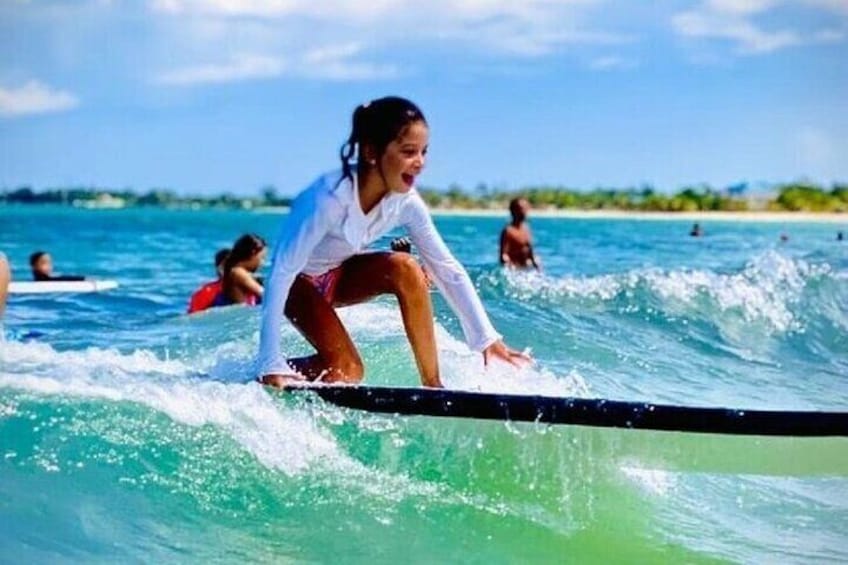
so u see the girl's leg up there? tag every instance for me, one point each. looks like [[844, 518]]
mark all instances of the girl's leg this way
[[337, 359], [364, 277], [368, 275]]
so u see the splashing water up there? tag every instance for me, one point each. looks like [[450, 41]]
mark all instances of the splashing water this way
[[131, 431]]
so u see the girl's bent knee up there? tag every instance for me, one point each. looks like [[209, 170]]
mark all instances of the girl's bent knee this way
[[407, 275]]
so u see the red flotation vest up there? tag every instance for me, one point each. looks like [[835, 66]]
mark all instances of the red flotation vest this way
[[205, 297]]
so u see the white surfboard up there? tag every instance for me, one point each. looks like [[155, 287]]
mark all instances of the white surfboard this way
[[45, 287]]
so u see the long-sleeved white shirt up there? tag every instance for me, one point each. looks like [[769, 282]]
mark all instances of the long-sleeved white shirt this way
[[326, 226]]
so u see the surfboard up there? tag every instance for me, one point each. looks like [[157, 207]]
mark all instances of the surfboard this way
[[45, 287], [580, 411]]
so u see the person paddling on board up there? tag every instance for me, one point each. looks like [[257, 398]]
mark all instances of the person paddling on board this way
[[204, 297], [320, 260], [42, 269], [239, 285]]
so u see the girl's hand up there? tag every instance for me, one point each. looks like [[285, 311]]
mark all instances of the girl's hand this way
[[279, 380], [499, 350]]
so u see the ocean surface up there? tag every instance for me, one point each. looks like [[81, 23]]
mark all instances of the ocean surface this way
[[131, 432]]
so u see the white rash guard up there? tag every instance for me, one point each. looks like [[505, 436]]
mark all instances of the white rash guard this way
[[326, 226]]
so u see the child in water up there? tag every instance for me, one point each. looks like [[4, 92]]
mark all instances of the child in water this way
[[42, 269], [516, 248], [320, 262], [204, 297], [239, 285]]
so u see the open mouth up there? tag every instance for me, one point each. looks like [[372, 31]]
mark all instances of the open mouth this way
[[407, 179]]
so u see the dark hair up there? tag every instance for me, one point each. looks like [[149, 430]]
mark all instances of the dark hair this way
[[221, 256], [377, 123], [515, 206], [244, 248], [33, 259]]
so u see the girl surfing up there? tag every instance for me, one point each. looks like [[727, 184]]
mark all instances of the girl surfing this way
[[320, 260]]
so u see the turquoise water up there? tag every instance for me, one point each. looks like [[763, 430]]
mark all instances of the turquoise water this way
[[130, 431]]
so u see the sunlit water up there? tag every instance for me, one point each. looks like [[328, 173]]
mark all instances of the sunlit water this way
[[130, 431]]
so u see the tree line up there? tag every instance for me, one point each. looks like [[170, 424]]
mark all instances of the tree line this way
[[797, 196], [793, 197]]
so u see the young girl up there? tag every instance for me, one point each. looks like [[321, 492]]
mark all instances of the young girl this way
[[320, 261], [238, 285]]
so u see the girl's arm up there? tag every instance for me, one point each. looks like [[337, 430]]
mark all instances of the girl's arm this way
[[311, 216], [450, 277], [455, 285]]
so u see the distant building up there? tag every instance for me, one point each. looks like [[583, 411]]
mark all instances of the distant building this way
[[101, 201]]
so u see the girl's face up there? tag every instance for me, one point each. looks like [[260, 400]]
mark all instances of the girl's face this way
[[404, 157], [257, 260]]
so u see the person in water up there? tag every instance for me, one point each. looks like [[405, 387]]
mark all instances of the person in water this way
[[42, 269], [320, 260], [204, 297], [238, 283], [516, 249], [696, 230]]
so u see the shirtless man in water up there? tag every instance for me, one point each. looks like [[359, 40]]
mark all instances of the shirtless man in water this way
[[516, 240]]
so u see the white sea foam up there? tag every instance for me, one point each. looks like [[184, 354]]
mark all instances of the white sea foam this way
[[653, 481], [765, 290], [288, 440], [463, 369]]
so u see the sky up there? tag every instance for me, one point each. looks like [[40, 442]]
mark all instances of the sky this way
[[233, 95]]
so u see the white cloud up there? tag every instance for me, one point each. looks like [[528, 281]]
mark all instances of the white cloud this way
[[243, 67], [748, 37], [34, 98], [611, 63], [732, 20], [347, 10], [335, 62], [526, 28], [332, 62], [741, 7]]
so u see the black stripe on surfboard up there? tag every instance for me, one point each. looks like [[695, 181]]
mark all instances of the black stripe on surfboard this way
[[581, 411]]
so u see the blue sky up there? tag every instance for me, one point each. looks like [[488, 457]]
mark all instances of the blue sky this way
[[215, 95]]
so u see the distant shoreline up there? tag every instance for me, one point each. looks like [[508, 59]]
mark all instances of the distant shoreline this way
[[563, 213], [701, 216]]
